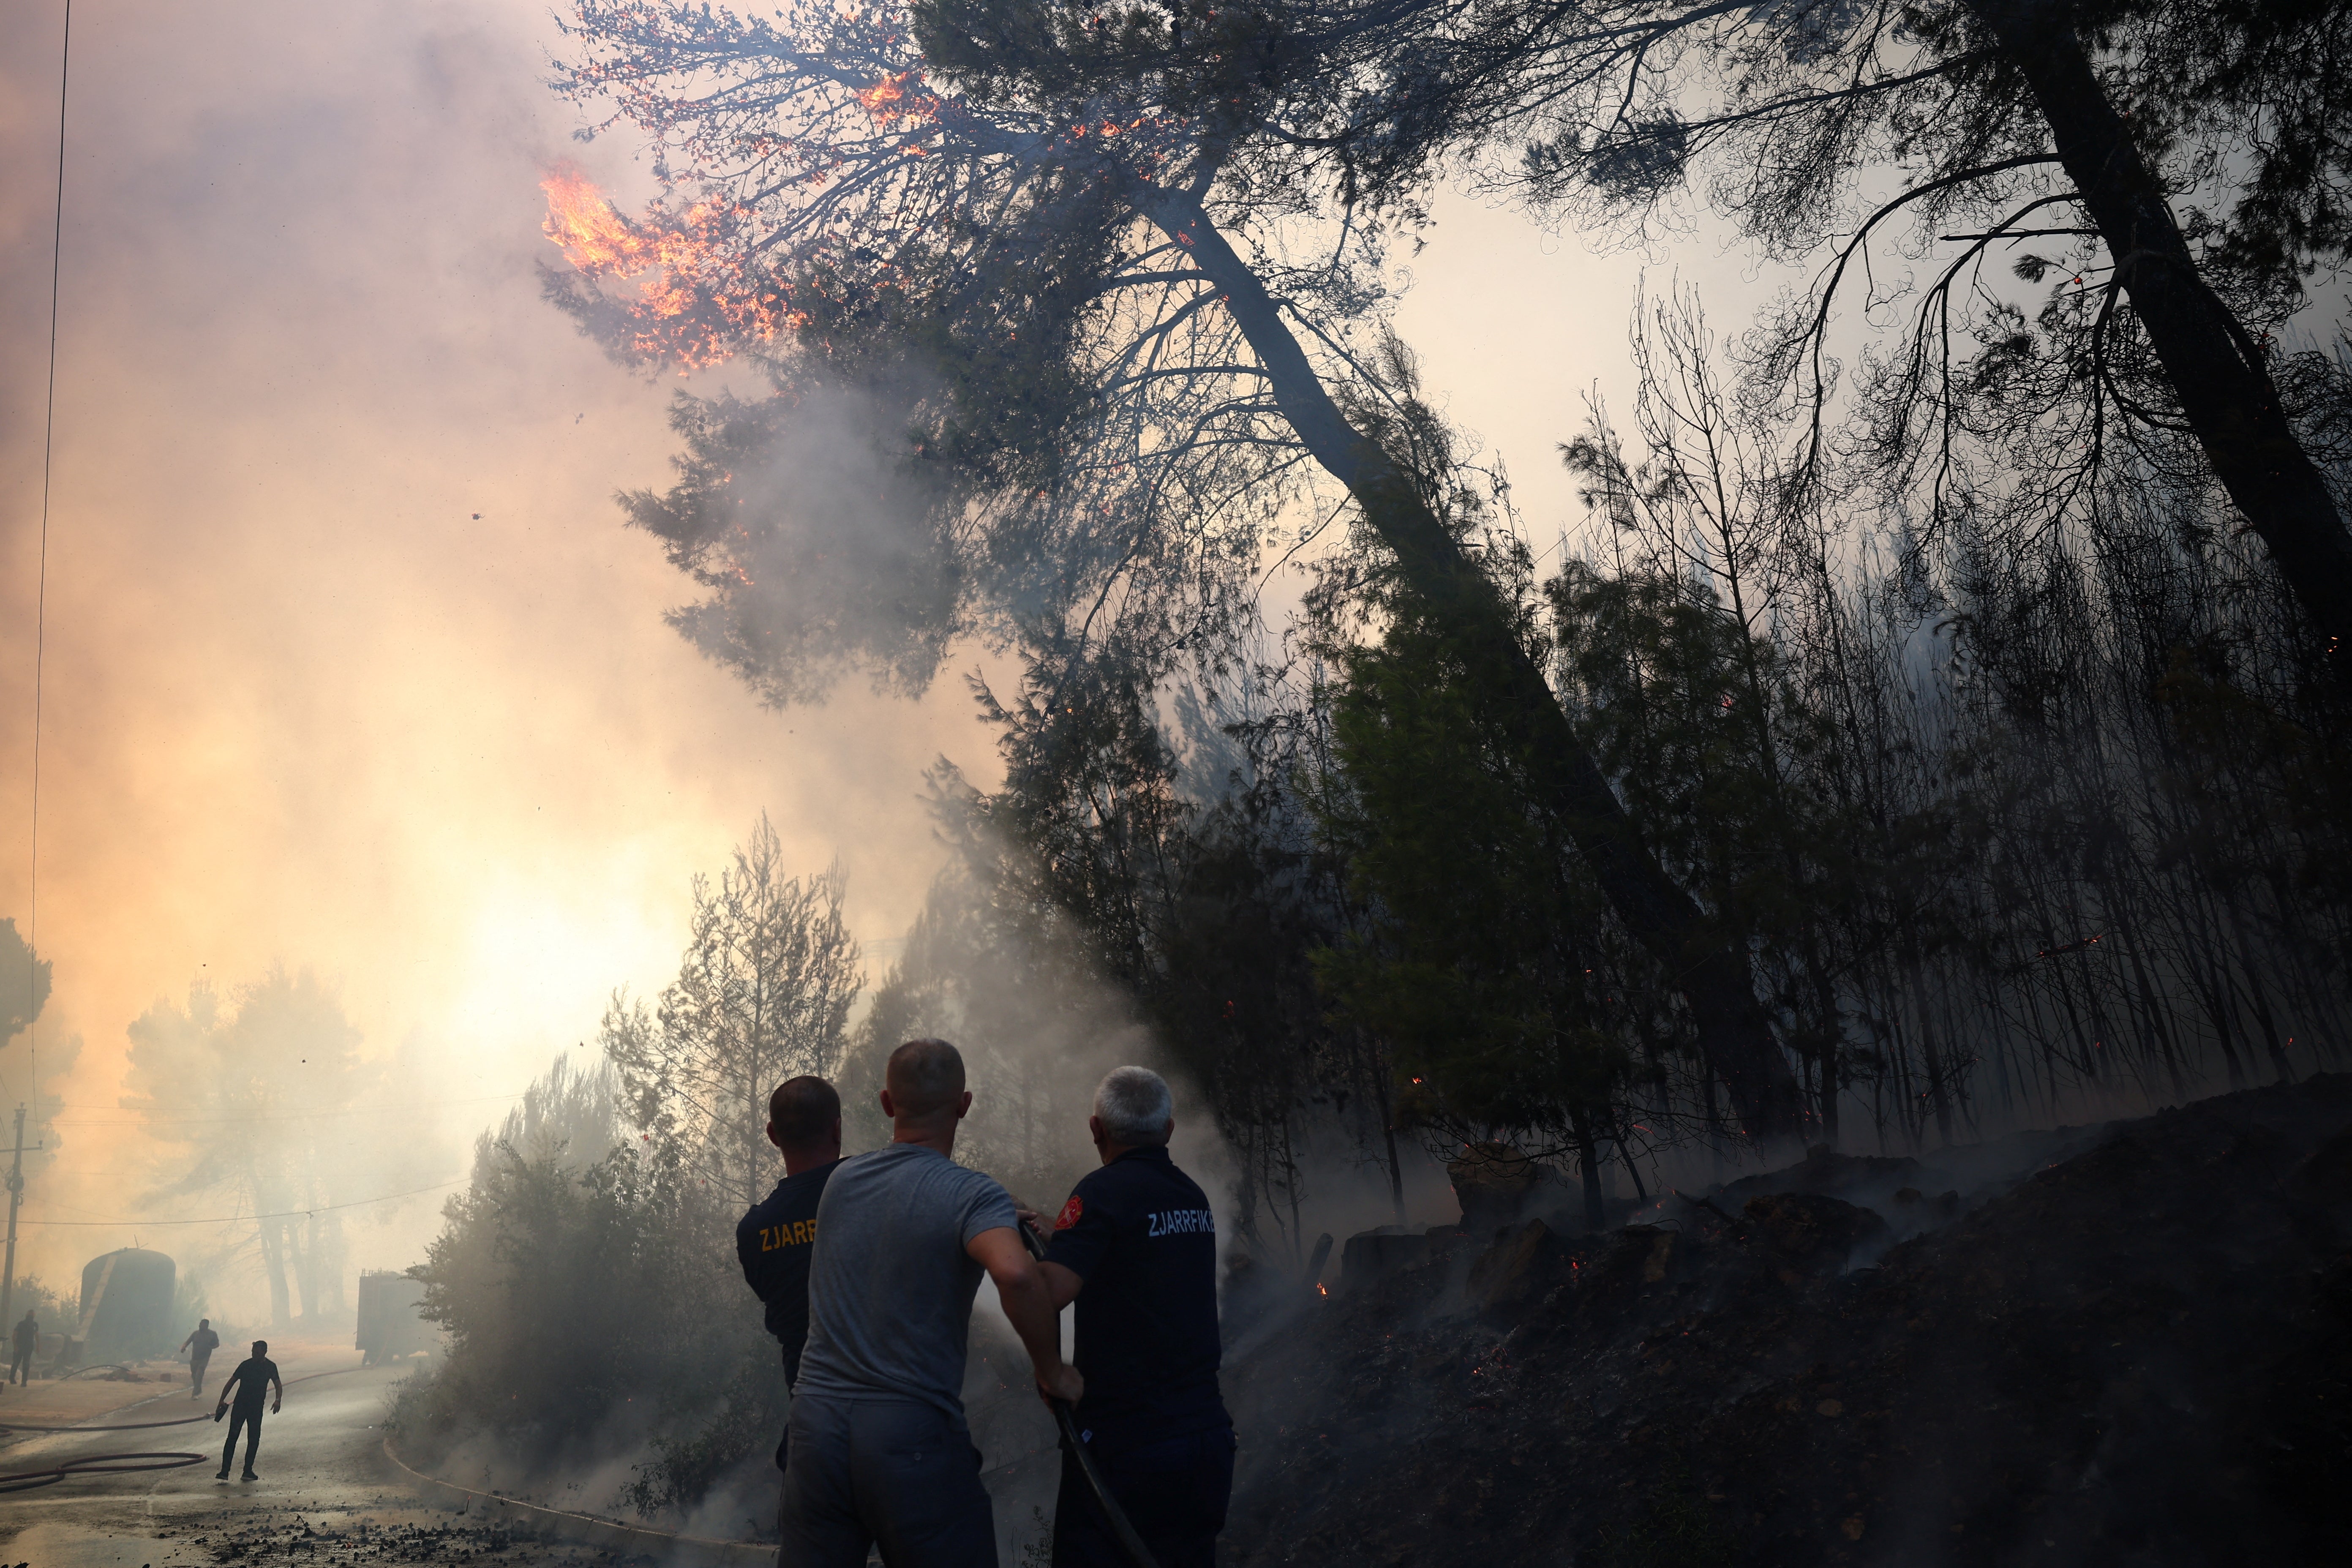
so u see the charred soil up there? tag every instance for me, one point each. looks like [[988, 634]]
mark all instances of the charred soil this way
[[2140, 1352]]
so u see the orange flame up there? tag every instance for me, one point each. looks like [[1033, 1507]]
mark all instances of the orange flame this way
[[696, 294], [592, 234], [888, 101]]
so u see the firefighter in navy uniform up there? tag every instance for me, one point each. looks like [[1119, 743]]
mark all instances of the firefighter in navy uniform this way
[[1136, 1247], [774, 1239]]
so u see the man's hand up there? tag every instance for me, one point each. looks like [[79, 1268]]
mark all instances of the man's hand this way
[[1028, 1303], [278, 1403], [220, 1410], [1064, 1383], [1034, 1220]]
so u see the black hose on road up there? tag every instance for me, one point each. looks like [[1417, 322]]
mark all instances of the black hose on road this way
[[120, 1464], [96, 1464]]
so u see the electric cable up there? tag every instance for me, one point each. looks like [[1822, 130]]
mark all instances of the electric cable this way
[[41, 578], [282, 1213], [369, 1109], [121, 1464]]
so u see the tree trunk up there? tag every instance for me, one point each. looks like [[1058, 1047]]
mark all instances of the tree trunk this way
[[1713, 977], [1388, 1128], [273, 1262], [1588, 1169], [2216, 369]]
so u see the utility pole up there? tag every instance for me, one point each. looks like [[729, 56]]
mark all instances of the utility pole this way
[[16, 1202]]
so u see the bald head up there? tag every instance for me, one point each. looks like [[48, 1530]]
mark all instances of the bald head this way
[[924, 1077]]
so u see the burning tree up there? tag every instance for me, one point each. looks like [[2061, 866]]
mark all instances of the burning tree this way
[[1076, 271]]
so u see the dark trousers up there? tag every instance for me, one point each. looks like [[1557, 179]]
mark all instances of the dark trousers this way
[[197, 1375], [1174, 1492], [20, 1367], [894, 1473], [249, 1423]]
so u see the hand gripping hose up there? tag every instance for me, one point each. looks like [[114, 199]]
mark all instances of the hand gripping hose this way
[[118, 1464], [1129, 1540]]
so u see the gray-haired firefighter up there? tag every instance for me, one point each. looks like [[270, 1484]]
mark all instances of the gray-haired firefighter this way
[[879, 1451], [1136, 1247]]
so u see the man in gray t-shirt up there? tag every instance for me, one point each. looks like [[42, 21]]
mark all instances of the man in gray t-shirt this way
[[879, 1453]]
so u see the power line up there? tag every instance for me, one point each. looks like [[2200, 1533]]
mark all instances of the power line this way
[[280, 1116], [41, 580], [238, 1218], [40, 656]]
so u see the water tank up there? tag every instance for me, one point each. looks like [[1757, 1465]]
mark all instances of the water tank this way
[[126, 1305]]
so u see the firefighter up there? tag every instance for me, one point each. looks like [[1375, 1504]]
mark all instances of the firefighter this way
[[200, 1345], [255, 1379], [1136, 1247], [776, 1236], [881, 1453]]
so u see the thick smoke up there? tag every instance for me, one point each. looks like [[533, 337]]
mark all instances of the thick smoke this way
[[351, 663]]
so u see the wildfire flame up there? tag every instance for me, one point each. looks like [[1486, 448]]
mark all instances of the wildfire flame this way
[[697, 295], [1322, 1289], [592, 234], [888, 101]]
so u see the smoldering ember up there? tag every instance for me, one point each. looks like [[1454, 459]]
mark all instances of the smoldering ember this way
[[1269, 782]]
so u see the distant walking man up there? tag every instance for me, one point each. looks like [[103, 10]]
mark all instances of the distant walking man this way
[[1137, 1248], [200, 1346], [881, 1453], [254, 1376], [26, 1340]]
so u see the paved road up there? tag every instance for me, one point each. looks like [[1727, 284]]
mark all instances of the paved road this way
[[327, 1497], [323, 1497]]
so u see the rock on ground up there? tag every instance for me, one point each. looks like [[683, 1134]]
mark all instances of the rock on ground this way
[[2141, 1354]]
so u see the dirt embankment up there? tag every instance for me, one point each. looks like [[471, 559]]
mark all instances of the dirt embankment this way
[[2141, 1352]]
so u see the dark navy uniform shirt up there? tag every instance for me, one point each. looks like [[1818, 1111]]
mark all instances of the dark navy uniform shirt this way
[[1140, 1234], [774, 1242]]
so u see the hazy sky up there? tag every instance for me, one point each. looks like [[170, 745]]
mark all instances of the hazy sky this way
[[302, 704]]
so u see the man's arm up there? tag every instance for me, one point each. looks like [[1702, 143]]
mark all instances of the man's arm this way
[[189, 1341], [746, 1253], [1062, 1283], [1028, 1300], [224, 1393], [1065, 1283], [277, 1390]]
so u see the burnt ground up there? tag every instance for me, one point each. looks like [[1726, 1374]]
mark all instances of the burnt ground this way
[[2138, 1354]]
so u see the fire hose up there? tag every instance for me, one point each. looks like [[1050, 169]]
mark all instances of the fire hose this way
[[120, 1464], [1130, 1541]]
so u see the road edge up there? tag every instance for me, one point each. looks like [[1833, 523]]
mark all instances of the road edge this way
[[586, 1528]]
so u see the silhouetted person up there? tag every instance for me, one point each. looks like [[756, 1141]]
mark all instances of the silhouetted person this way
[[27, 1340], [254, 1377], [200, 1346]]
